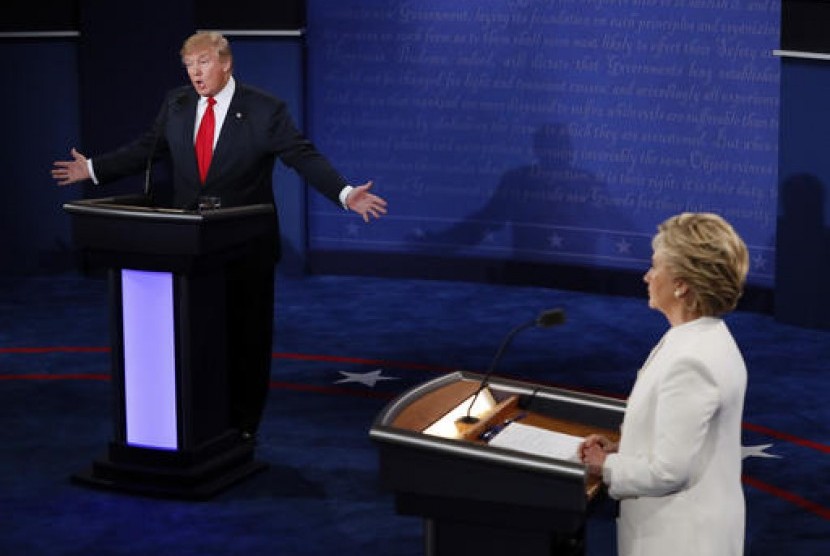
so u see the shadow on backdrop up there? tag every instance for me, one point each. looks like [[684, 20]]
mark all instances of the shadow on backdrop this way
[[551, 209], [803, 253]]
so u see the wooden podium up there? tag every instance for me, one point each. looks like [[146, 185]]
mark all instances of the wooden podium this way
[[480, 499], [166, 276]]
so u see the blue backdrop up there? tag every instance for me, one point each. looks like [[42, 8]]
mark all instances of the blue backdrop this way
[[41, 124], [555, 131]]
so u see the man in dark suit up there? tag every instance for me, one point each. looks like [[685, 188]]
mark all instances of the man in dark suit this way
[[223, 139]]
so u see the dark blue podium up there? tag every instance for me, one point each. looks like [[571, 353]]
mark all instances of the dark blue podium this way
[[171, 433]]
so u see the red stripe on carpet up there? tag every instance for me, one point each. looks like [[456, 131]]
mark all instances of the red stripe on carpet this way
[[56, 349], [296, 387], [788, 496], [360, 361], [343, 391], [788, 437], [45, 376]]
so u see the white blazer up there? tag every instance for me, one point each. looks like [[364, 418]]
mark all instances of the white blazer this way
[[677, 473]]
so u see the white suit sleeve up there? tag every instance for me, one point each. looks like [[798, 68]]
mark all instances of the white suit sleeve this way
[[687, 398]]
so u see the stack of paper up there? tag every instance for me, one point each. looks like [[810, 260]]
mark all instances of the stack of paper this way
[[538, 441]]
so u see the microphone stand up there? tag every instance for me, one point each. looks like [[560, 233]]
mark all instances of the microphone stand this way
[[470, 419], [148, 190], [158, 131], [546, 319]]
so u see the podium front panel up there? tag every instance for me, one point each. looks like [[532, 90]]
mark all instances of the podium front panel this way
[[148, 330]]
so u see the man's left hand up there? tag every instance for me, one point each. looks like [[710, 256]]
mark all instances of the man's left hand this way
[[364, 203]]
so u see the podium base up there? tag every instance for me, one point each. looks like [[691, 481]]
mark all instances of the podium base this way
[[485, 528], [171, 474], [452, 537]]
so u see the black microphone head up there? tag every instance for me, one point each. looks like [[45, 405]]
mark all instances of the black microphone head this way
[[551, 317]]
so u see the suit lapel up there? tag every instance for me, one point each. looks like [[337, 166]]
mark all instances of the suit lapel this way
[[229, 132], [183, 119]]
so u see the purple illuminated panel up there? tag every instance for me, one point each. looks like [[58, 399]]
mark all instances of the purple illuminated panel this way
[[149, 359]]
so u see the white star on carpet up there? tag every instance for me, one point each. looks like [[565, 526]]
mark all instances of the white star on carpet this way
[[756, 452], [368, 379]]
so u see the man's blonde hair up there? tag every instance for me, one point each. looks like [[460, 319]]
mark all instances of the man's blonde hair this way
[[207, 39]]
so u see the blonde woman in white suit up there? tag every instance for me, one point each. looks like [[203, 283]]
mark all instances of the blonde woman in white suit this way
[[677, 468]]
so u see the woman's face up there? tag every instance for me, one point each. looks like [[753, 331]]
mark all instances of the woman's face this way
[[661, 286]]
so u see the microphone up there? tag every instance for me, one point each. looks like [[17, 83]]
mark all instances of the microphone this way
[[148, 191], [546, 319], [158, 131]]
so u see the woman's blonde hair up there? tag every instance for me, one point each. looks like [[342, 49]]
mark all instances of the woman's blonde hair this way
[[705, 252]]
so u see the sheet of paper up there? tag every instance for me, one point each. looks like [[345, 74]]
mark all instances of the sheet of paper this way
[[538, 441]]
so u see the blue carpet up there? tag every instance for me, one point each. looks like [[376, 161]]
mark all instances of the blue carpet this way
[[320, 494]]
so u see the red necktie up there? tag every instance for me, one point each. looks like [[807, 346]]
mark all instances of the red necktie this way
[[204, 139]]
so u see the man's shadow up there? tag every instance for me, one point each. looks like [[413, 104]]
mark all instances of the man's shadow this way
[[802, 253], [550, 208]]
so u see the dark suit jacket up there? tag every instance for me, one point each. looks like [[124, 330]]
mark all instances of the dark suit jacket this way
[[257, 130]]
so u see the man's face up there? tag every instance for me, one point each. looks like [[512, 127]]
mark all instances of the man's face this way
[[208, 73]]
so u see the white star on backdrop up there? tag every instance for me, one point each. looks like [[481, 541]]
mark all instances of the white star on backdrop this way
[[760, 262], [623, 247], [367, 379], [555, 241], [756, 452]]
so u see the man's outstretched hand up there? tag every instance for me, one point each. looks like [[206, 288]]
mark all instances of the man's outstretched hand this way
[[366, 204], [66, 172]]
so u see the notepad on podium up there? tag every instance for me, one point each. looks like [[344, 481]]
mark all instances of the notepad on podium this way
[[538, 441]]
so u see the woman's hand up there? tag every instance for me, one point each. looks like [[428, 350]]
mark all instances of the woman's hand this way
[[592, 453]]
